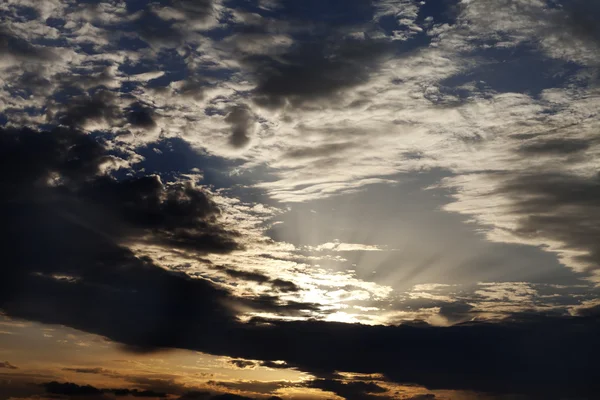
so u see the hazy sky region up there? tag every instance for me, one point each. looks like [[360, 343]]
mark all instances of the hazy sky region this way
[[300, 199]]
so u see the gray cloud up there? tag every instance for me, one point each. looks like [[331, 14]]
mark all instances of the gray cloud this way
[[98, 107], [241, 120], [558, 207], [327, 150], [22, 50], [556, 147], [315, 70]]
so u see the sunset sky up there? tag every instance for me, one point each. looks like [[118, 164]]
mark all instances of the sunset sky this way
[[300, 199]]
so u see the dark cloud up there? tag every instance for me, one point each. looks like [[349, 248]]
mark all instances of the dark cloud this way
[[141, 116], [87, 370], [244, 275], [155, 27], [98, 107], [70, 389], [332, 12], [156, 30], [193, 9], [254, 386], [558, 207], [178, 215], [193, 88], [226, 396], [53, 200], [284, 286], [589, 312], [456, 312], [274, 365], [273, 304], [556, 147], [73, 390], [136, 393], [7, 365], [229, 396], [21, 49], [315, 70], [196, 395], [243, 363], [357, 390], [63, 166], [580, 18], [317, 152], [428, 396], [279, 285], [241, 120], [88, 77]]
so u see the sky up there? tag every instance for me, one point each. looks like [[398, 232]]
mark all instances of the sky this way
[[299, 199]]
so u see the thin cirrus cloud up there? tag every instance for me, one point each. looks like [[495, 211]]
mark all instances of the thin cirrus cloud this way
[[230, 177]]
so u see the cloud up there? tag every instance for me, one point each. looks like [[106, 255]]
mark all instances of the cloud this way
[[317, 152], [285, 286], [19, 49], [323, 348], [254, 386], [428, 396], [345, 98], [7, 365], [315, 71], [99, 107], [80, 223], [351, 390], [538, 203], [242, 121], [141, 116], [555, 147], [70, 389], [337, 246], [548, 207], [242, 363], [73, 390], [245, 275], [278, 284], [96, 370]]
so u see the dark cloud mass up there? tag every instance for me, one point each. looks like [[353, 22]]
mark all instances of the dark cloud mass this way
[[241, 121], [559, 207], [80, 274], [316, 70]]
